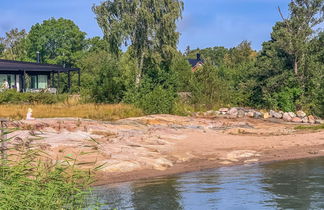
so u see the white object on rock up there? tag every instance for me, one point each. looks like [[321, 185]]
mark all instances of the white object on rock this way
[[30, 115]]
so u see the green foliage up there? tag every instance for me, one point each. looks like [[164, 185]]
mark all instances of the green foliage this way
[[108, 84], [152, 97], [313, 127], [149, 26], [59, 41], [14, 97], [209, 89], [12, 46]]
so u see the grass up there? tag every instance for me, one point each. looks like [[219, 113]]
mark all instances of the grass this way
[[104, 112], [310, 127]]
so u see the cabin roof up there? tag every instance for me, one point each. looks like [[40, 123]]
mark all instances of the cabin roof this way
[[9, 65]]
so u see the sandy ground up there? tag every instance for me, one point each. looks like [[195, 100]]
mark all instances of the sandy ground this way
[[145, 147]]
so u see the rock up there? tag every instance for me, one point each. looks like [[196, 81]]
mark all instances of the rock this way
[[272, 113], [277, 115], [240, 113], [249, 114], [311, 119], [233, 112], [265, 115], [257, 115], [291, 114], [305, 120], [319, 121], [224, 109], [297, 120], [301, 114], [286, 117]]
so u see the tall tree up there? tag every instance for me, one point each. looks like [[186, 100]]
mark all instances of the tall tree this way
[[294, 37], [57, 40], [149, 26], [12, 46]]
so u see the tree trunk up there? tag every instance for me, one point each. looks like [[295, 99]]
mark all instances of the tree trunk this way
[[140, 70], [296, 66]]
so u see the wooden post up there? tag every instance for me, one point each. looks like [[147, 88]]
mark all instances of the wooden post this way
[[3, 139], [23, 81]]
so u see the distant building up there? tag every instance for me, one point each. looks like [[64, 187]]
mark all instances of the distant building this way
[[39, 76], [196, 63]]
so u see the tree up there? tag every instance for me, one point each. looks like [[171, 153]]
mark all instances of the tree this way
[[297, 30], [57, 40], [149, 26], [12, 46]]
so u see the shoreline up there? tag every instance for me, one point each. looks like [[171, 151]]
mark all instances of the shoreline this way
[[162, 145], [311, 152]]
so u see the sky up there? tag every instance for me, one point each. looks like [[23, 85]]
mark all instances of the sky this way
[[205, 23]]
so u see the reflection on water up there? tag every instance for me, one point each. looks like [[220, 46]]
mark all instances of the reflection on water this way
[[283, 185]]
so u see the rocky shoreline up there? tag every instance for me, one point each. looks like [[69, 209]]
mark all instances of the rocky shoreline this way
[[157, 145], [240, 112]]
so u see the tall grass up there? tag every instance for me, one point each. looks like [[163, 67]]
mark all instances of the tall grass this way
[[71, 109], [29, 179]]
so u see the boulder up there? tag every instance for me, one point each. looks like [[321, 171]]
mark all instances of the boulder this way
[[249, 114], [301, 114], [257, 115], [277, 115], [311, 119], [286, 117], [272, 113], [305, 119], [265, 115], [297, 120], [233, 112], [291, 114], [319, 121], [240, 113]]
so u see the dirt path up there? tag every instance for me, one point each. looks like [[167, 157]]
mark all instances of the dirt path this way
[[158, 145]]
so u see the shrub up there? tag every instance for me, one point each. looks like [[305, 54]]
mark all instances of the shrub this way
[[14, 97], [152, 98]]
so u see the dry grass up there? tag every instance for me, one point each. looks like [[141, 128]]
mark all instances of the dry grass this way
[[88, 111]]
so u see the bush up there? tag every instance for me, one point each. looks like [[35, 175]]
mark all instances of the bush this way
[[209, 89], [14, 97], [152, 98]]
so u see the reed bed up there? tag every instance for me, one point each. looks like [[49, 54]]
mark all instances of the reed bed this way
[[105, 112]]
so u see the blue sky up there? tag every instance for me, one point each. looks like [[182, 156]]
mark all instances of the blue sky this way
[[205, 23]]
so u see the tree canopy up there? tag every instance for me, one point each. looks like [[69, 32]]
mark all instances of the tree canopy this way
[[57, 41], [149, 26]]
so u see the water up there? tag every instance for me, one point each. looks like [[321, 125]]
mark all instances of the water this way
[[283, 185]]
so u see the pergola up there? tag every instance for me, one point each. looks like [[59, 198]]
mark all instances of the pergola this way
[[19, 70]]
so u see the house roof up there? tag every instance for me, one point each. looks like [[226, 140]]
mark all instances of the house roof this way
[[195, 62], [9, 65]]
